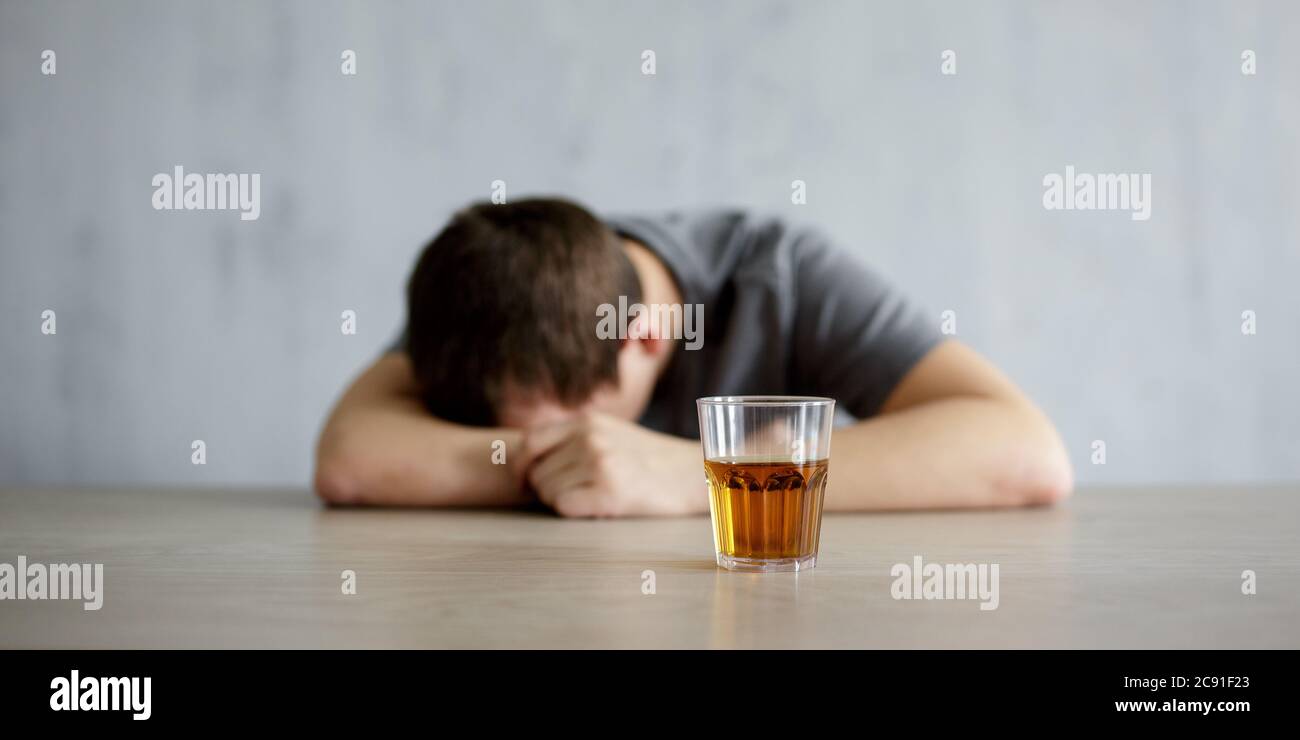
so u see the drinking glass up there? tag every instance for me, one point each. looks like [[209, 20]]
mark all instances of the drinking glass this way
[[765, 460]]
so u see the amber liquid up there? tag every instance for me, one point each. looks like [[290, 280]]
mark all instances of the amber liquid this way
[[766, 510]]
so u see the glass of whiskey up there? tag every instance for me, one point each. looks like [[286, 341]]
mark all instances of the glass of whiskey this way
[[765, 462]]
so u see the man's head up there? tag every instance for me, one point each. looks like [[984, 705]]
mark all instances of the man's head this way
[[502, 312]]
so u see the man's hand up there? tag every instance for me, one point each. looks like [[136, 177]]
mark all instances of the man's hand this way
[[602, 466]]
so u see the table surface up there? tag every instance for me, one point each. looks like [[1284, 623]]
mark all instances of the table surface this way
[[1113, 568]]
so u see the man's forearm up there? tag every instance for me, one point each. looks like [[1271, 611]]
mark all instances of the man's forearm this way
[[954, 452], [390, 459], [381, 447]]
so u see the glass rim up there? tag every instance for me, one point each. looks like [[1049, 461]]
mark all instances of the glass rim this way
[[782, 401]]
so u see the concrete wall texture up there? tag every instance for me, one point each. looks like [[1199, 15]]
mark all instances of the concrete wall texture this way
[[174, 326]]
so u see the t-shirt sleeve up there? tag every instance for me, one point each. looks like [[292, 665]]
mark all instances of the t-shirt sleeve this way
[[855, 335]]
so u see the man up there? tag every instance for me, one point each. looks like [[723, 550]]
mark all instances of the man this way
[[509, 386]]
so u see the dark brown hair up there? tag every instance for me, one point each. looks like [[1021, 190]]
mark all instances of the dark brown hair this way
[[509, 293]]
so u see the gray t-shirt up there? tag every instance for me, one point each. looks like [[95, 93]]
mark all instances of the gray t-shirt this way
[[785, 312]]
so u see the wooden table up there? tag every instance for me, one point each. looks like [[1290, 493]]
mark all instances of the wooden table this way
[[262, 568]]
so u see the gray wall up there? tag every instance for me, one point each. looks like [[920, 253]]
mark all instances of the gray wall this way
[[174, 326]]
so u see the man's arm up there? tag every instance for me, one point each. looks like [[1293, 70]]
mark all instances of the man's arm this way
[[380, 446], [954, 432], [941, 426]]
